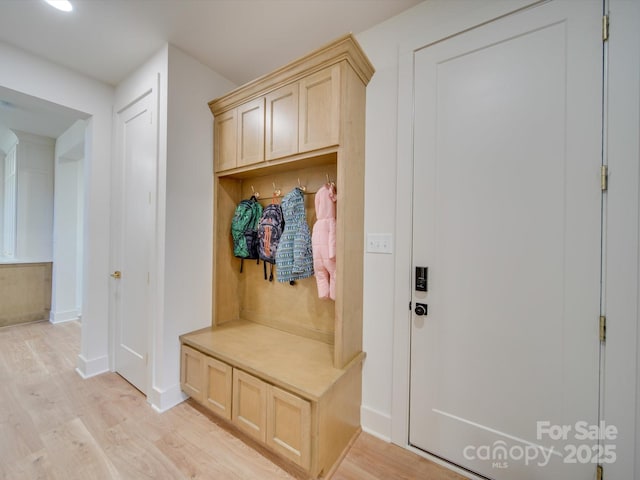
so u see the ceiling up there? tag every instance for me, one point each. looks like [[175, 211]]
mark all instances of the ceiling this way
[[239, 39], [108, 39]]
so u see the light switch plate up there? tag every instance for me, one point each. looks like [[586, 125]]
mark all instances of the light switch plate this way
[[379, 243]]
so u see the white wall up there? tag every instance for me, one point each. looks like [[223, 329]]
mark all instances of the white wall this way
[[34, 197], [388, 169], [8, 140], [188, 208], [2, 156], [181, 292], [66, 300], [34, 76]]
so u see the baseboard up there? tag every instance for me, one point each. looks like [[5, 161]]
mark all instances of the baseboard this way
[[375, 423], [163, 400], [65, 316], [91, 368]]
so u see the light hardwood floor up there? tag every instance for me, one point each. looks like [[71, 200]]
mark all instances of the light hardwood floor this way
[[55, 425]]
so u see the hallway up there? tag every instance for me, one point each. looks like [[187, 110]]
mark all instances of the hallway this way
[[54, 425]]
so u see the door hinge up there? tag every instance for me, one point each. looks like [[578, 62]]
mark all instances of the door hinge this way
[[599, 472], [604, 178], [603, 328], [409, 306], [605, 28]]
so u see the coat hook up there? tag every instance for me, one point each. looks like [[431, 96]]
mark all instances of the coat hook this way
[[331, 184], [301, 187], [255, 194], [276, 191]]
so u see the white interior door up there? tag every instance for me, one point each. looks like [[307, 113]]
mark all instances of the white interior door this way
[[135, 232], [507, 216]]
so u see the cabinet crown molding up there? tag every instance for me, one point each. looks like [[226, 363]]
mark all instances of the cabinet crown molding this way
[[345, 48]]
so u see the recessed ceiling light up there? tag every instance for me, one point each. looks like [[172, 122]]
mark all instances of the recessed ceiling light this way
[[64, 5]]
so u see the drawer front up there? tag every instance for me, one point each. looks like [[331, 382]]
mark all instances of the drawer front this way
[[219, 381], [249, 404], [289, 426], [192, 379]]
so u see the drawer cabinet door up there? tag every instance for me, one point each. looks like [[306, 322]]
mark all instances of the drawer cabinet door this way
[[249, 404], [281, 129], [226, 140], [192, 379], [251, 132], [219, 380], [319, 122], [289, 426]]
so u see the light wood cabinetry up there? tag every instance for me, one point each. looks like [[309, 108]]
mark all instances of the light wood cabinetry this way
[[192, 380], [296, 360], [320, 99], [251, 132], [218, 378], [286, 392], [250, 405], [289, 426], [239, 136], [281, 137], [226, 140]]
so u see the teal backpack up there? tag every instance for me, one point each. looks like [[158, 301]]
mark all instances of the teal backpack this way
[[244, 229]]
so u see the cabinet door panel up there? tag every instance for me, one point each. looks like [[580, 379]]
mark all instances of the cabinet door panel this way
[[249, 404], [320, 109], [217, 395], [289, 426], [225, 133], [251, 132], [281, 132], [192, 373]]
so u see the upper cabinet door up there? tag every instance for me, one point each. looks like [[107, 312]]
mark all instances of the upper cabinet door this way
[[282, 122], [225, 133], [251, 132], [320, 109]]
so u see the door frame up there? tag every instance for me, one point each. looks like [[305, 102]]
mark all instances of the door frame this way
[[621, 230]]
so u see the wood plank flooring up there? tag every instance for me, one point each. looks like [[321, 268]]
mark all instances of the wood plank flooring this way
[[55, 425]]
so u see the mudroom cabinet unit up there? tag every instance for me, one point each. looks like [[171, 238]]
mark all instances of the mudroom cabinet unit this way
[[279, 363]]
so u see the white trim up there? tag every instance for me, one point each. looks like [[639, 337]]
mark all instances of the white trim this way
[[163, 400], [64, 316], [90, 368], [622, 362], [375, 423], [403, 234]]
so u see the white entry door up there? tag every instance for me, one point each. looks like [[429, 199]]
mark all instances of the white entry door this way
[[135, 229], [507, 218]]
